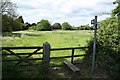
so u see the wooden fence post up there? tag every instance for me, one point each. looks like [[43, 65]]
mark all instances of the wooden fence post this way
[[72, 56], [46, 57]]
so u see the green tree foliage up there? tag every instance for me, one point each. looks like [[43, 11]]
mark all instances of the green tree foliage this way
[[9, 15], [8, 24], [56, 26], [43, 25], [85, 27], [28, 24], [66, 26], [108, 43], [107, 46], [33, 24], [20, 19], [6, 27], [116, 11], [25, 26]]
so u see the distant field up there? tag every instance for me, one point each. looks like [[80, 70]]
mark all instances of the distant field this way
[[57, 39]]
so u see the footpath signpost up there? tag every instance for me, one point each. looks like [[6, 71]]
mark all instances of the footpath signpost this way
[[94, 22]]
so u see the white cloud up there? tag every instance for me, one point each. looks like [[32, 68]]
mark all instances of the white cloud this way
[[76, 12]]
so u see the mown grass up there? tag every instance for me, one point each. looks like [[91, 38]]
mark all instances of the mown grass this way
[[57, 39]]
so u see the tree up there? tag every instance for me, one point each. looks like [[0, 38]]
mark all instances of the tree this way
[[9, 8], [8, 24], [66, 26], [33, 24], [85, 27], [6, 27], [20, 19], [116, 11], [43, 25], [56, 26], [27, 25]]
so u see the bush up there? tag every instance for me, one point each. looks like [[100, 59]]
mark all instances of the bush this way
[[57, 26], [8, 69], [107, 46], [66, 26], [85, 27], [43, 25], [25, 26]]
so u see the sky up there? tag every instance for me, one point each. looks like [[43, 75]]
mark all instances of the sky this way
[[75, 12]]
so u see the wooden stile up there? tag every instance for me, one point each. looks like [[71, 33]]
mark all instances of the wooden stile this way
[[71, 66]]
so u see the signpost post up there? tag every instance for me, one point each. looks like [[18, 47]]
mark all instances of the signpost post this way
[[94, 22]]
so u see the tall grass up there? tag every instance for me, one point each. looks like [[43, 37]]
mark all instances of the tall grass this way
[[56, 39]]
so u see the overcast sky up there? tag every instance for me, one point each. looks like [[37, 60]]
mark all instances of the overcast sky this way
[[76, 12]]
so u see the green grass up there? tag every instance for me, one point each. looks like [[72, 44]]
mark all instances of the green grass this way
[[57, 39]]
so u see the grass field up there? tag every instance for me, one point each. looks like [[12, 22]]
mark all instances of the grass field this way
[[57, 39]]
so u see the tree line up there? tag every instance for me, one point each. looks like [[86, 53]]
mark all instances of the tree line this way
[[11, 21], [45, 25], [9, 24]]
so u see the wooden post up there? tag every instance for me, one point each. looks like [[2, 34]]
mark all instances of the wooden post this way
[[72, 56], [46, 57]]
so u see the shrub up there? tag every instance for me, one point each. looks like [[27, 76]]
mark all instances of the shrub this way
[[8, 69], [84, 27], [43, 25], [66, 26], [107, 46], [57, 26]]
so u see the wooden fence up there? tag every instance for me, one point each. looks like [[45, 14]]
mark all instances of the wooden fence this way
[[26, 59], [46, 54], [72, 53]]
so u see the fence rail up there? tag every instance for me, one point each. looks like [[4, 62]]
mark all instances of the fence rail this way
[[54, 49], [22, 54], [22, 47], [21, 60], [67, 56], [18, 56], [72, 54], [46, 54], [39, 47]]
